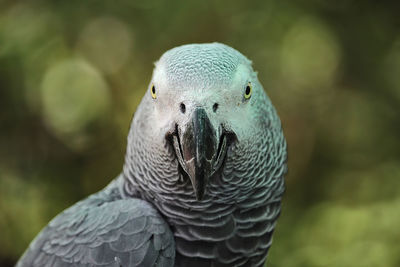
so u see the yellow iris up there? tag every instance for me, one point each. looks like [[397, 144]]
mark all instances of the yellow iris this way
[[248, 90], [153, 91]]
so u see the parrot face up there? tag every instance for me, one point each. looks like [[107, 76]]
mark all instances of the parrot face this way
[[203, 99]]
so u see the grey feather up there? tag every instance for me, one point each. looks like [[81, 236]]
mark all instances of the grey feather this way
[[154, 214], [104, 230]]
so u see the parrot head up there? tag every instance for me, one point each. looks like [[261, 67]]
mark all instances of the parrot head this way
[[202, 99]]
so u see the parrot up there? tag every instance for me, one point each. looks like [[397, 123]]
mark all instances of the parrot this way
[[202, 180]]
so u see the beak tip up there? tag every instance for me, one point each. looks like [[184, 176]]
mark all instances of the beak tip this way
[[199, 195], [198, 187]]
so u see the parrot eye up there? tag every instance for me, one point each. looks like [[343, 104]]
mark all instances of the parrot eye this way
[[247, 92], [153, 91]]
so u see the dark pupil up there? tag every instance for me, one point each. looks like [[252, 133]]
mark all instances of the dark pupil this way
[[247, 89], [153, 90]]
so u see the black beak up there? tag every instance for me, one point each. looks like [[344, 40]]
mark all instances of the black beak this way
[[200, 149]]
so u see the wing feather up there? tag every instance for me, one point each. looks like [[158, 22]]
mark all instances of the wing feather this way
[[104, 231]]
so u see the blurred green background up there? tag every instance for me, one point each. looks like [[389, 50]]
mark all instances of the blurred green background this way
[[73, 72]]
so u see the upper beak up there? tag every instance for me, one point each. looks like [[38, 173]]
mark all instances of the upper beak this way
[[199, 147], [198, 150]]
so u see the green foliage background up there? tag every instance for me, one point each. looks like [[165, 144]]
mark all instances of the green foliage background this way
[[73, 72]]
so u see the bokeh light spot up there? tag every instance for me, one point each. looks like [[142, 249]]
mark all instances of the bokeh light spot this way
[[310, 55], [107, 43], [73, 95]]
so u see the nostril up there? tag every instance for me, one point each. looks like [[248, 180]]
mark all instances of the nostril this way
[[215, 107], [182, 107]]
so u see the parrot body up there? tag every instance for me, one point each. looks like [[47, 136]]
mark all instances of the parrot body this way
[[202, 180]]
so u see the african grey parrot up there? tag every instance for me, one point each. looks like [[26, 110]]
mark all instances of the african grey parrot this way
[[202, 180]]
